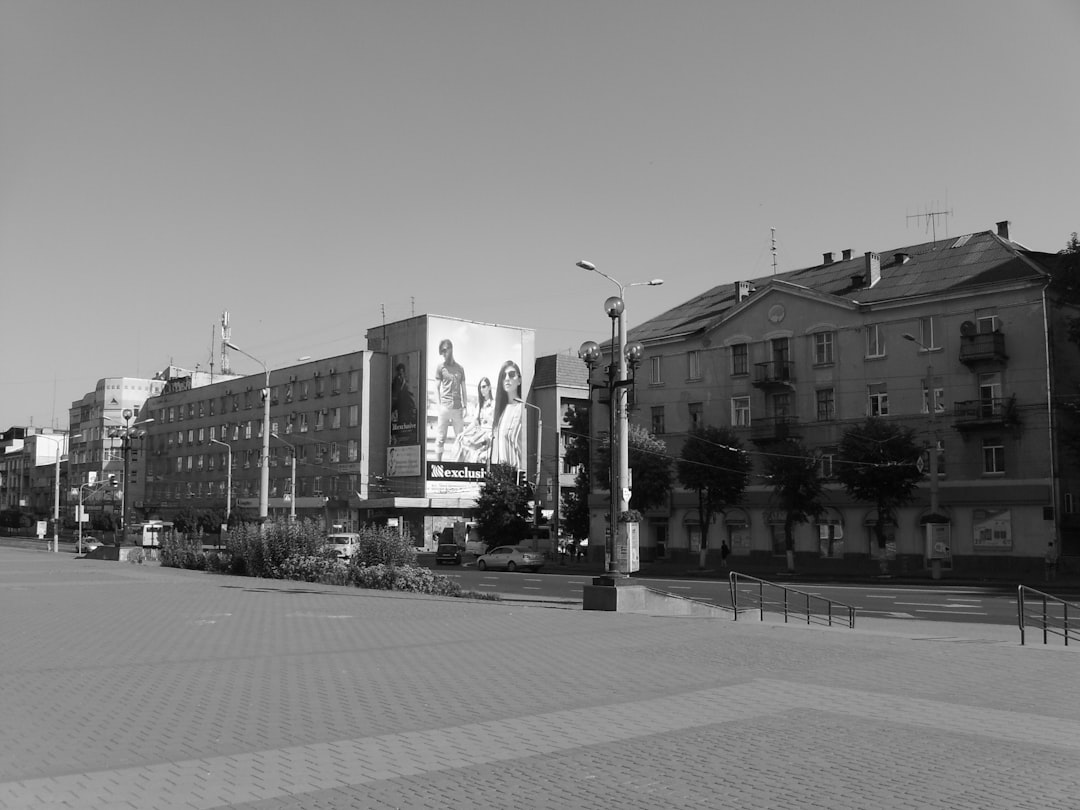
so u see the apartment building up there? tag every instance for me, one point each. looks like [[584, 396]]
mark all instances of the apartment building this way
[[959, 339]]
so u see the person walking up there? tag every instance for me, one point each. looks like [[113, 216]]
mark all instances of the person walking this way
[[1051, 560]]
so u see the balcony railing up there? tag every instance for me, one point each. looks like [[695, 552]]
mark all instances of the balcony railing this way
[[777, 373], [983, 347], [774, 429], [988, 412]]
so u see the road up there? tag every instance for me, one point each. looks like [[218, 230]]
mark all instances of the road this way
[[980, 604]]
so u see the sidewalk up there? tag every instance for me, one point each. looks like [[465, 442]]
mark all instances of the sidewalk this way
[[135, 686]]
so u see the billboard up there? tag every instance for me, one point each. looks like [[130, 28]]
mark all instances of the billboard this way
[[404, 396], [476, 379]]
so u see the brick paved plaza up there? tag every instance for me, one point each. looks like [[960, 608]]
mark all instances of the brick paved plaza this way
[[125, 686]]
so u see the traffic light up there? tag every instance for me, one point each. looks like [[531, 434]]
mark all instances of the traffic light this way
[[522, 480], [113, 483]]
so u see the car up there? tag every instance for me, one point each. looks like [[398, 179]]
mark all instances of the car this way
[[511, 558], [343, 544], [88, 543], [476, 547], [448, 554]]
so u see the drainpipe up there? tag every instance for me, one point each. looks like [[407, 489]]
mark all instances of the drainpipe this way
[[1054, 480]]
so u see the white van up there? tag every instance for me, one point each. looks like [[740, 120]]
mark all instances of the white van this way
[[344, 544]]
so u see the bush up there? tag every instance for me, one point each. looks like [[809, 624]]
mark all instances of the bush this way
[[182, 551], [402, 578], [261, 551], [383, 545]]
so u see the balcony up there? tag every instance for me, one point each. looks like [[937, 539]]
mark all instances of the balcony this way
[[983, 347], [776, 375], [774, 429], [989, 413]]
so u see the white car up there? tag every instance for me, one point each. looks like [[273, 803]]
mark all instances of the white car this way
[[343, 544], [511, 558]]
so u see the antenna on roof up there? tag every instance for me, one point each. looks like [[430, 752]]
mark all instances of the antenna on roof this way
[[773, 232], [931, 221]]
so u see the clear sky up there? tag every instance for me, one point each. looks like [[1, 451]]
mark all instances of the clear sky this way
[[313, 167]]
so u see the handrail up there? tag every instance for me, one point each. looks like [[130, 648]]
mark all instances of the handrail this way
[[825, 618], [1050, 623]]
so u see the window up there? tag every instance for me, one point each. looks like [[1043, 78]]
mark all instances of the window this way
[[654, 365], [354, 415], [993, 456], [990, 394], [693, 365], [927, 333], [823, 348], [696, 415], [939, 399], [740, 411], [826, 404], [878, 400], [320, 387], [740, 359], [305, 387], [320, 420], [986, 320], [352, 450], [247, 430], [335, 417], [335, 452], [288, 391], [303, 423], [658, 420], [781, 405], [354, 380], [875, 341]]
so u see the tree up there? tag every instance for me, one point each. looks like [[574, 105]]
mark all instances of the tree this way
[[650, 468], [797, 487], [714, 465], [575, 502], [502, 507], [878, 465]]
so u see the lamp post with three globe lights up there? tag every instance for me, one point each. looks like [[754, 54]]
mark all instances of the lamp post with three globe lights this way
[[623, 355]]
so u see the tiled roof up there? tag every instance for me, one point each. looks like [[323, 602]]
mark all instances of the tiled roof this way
[[931, 267], [563, 370]]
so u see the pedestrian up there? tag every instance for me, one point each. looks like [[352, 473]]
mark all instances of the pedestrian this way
[[573, 550], [580, 552], [724, 551], [1051, 562]]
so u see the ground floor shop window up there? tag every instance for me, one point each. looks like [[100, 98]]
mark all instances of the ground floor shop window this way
[[739, 538], [830, 540], [876, 551], [776, 534]]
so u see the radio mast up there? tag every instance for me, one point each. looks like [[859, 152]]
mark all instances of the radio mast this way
[[226, 336]]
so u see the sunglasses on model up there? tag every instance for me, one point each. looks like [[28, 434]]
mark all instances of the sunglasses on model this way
[[512, 374]]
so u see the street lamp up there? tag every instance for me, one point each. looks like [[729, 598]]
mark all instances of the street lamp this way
[[228, 480], [934, 518], [125, 447], [264, 480], [56, 494], [292, 493], [622, 354], [539, 449]]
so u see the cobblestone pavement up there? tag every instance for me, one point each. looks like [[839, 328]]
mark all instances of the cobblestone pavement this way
[[127, 686]]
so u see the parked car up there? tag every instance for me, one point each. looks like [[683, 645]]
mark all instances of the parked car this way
[[476, 547], [448, 554], [511, 558], [344, 544]]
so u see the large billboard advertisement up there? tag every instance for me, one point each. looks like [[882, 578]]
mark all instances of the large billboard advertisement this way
[[403, 454], [477, 378]]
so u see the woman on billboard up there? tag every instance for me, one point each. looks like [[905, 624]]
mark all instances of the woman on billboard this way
[[508, 417], [474, 445]]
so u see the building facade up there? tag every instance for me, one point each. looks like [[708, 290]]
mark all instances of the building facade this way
[[958, 339]]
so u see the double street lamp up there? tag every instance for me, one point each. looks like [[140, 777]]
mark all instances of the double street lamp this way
[[228, 479], [128, 432], [623, 355], [60, 441]]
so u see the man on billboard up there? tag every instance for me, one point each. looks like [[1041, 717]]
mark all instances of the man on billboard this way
[[450, 396]]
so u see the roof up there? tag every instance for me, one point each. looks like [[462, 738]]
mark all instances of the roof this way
[[562, 370], [930, 268]]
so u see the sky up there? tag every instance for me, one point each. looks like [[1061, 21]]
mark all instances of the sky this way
[[317, 168]]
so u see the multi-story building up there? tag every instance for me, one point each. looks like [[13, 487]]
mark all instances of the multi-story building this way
[[32, 461], [967, 324]]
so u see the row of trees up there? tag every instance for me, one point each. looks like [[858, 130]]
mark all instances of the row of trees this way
[[877, 463]]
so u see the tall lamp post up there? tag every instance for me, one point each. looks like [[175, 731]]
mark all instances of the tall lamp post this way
[[935, 517], [228, 479], [292, 493], [264, 479], [60, 441], [621, 355], [130, 432]]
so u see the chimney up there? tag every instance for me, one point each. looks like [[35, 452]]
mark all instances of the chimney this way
[[1003, 229], [742, 291], [828, 258], [846, 255], [873, 269]]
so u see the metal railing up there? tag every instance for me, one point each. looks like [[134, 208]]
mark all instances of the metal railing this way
[[789, 601], [1044, 611]]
